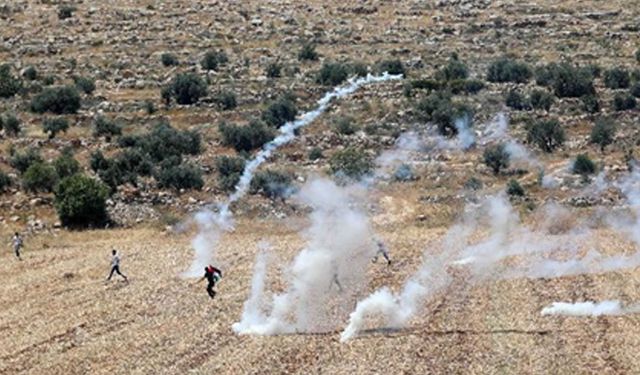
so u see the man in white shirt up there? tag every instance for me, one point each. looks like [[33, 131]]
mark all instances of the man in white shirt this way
[[115, 265]]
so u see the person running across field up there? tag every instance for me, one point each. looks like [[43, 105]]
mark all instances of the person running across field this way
[[115, 265], [17, 244], [213, 275], [382, 250]]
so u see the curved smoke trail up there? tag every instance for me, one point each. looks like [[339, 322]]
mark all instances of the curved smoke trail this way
[[211, 224]]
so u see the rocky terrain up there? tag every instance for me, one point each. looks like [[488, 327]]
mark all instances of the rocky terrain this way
[[59, 317]]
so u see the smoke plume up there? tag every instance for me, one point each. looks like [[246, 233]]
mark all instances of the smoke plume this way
[[608, 307]]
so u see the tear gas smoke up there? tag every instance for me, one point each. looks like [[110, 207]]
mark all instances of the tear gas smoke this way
[[608, 307], [211, 224]]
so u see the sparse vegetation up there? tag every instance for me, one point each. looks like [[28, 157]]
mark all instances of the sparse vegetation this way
[[515, 100], [81, 201], [514, 188], [567, 81], [214, 59], [541, 99], [11, 125], [453, 70], [58, 100], [86, 84], [332, 74], [345, 125], [590, 103], [603, 133], [169, 59], [272, 184], [65, 11], [280, 112], [55, 125], [226, 100], [441, 110], [391, 66], [351, 162], [30, 73], [22, 160], [546, 134], [229, 171], [624, 102], [104, 127], [66, 165], [496, 157], [9, 84], [583, 165], [617, 78], [186, 88], [315, 153], [5, 181], [274, 70], [40, 177], [246, 138], [308, 52], [506, 69]]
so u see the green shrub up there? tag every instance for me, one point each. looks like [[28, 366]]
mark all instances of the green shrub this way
[[546, 74], [514, 189], [81, 201], [5, 181], [624, 102], [454, 69], [103, 126], [583, 165], [315, 153], [603, 133], [391, 67], [638, 55], [187, 88], [617, 78], [65, 11], [467, 86], [169, 59], [30, 73], [40, 177], [149, 107], [308, 52], [590, 103], [473, 183], [86, 84], [229, 171], [11, 125], [274, 70], [49, 80], [9, 84], [280, 112], [344, 125], [66, 165], [508, 70], [439, 109], [164, 141], [246, 138], [541, 99], [351, 162], [213, 59], [272, 184], [359, 69], [58, 100], [546, 134], [226, 100], [572, 82], [22, 160], [517, 101], [426, 84], [183, 176], [55, 125], [98, 162], [635, 90], [332, 74], [496, 157]]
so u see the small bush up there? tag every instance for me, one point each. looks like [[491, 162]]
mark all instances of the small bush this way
[[11, 125], [624, 102], [81, 201], [315, 153], [391, 67], [58, 100], [164, 141], [229, 171], [541, 99], [496, 157], [226, 100], [5, 181], [280, 112], [590, 103], [40, 177], [246, 138], [426, 84], [169, 59], [572, 82], [213, 59], [332, 74], [514, 189], [183, 176], [65, 11], [583, 165], [635, 90], [86, 84], [517, 101], [454, 69], [439, 109], [638, 55], [603, 133], [22, 160], [9, 84], [508, 70], [49, 80], [345, 126], [66, 165], [187, 88], [149, 107], [103, 126], [272, 184], [53, 126], [547, 134], [274, 70], [473, 183], [308, 52], [351, 162], [617, 78], [30, 73], [468, 86], [359, 69], [98, 162]]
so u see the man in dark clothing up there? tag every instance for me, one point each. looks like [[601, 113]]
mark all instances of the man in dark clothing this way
[[115, 265], [213, 275]]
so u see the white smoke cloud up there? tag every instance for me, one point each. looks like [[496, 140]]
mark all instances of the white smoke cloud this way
[[498, 131], [328, 275], [406, 145], [253, 312], [608, 307], [211, 225]]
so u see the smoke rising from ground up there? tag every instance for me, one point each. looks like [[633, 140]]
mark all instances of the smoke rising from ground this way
[[608, 307], [211, 224], [326, 277]]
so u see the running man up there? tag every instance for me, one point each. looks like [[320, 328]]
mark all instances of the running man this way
[[115, 265], [382, 250], [17, 244], [213, 275]]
